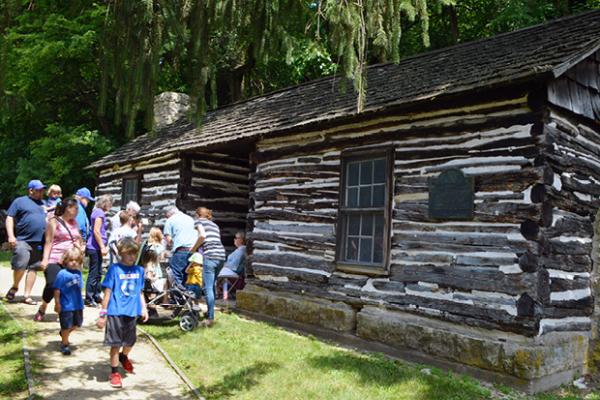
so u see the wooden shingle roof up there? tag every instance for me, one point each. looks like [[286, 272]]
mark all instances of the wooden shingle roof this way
[[543, 50]]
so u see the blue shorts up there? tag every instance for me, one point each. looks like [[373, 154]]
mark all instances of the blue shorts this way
[[70, 319], [196, 289]]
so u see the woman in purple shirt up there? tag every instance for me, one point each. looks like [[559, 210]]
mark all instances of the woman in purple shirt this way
[[95, 249]]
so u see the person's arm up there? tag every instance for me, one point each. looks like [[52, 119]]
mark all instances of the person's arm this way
[[48, 238], [144, 308], [102, 318], [10, 231], [201, 238], [98, 235], [57, 301], [138, 235]]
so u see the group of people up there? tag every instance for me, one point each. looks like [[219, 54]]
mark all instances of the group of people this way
[[53, 235]]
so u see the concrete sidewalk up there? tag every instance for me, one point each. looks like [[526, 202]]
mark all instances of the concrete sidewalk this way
[[84, 374]]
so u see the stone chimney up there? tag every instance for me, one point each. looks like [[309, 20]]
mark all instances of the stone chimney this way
[[169, 107]]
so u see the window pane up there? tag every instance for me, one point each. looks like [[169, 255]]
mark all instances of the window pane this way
[[379, 171], [353, 225], [353, 170], [365, 197], [378, 195], [365, 250], [367, 226], [352, 249], [366, 172], [378, 241], [352, 197]]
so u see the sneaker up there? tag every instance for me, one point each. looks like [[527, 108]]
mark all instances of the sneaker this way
[[127, 365], [115, 380], [91, 303], [65, 349]]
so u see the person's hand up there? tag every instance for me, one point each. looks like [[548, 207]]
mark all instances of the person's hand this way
[[104, 251], [12, 242], [101, 322], [57, 307], [44, 265], [144, 314]]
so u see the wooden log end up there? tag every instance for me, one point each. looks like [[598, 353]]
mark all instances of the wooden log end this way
[[538, 193], [528, 262], [530, 229]]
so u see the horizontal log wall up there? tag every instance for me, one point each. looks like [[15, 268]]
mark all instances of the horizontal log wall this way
[[160, 183], [482, 272], [219, 182], [572, 147]]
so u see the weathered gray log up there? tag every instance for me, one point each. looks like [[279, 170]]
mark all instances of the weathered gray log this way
[[473, 278]]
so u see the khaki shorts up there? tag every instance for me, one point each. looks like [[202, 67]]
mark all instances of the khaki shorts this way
[[27, 255]]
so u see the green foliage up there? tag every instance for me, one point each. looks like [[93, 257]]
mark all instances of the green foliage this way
[[95, 65], [61, 157]]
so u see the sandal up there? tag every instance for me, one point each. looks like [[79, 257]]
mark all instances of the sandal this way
[[39, 316], [10, 295], [30, 301]]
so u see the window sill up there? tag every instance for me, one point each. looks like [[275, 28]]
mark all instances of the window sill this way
[[361, 269]]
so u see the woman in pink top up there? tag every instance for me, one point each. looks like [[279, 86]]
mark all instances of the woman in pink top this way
[[62, 233]]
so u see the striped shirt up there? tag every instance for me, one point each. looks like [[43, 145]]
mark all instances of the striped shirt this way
[[212, 246]]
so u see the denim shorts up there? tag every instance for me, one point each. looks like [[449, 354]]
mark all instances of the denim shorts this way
[[70, 319], [196, 289], [27, 255]]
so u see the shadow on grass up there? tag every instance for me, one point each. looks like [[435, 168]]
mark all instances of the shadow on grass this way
[[377, 370], [234, 382]]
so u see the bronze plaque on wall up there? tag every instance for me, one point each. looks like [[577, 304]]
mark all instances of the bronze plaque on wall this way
[[451, 196]]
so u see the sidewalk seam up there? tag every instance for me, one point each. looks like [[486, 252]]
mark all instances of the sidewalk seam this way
[[26, 358], [172, 364]]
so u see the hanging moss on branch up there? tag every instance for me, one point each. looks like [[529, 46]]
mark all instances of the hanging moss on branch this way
[[137, 33]]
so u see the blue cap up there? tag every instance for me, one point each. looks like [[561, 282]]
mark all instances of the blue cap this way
[[35, 184], [85, 193]]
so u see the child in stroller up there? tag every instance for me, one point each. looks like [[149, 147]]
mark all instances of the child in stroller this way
[[172, 295]]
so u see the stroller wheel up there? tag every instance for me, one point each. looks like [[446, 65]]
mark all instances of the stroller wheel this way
[[188, 322]]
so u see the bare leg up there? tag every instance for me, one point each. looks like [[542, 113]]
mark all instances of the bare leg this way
[[64, 335], [126, 351], [17, 276], [114, 356], [29, 281]]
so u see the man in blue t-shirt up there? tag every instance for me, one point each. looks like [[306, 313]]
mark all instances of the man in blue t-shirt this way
[[25, 226], [180, 235], [83, 197]]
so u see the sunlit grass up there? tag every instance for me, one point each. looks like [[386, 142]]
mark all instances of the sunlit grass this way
[[252, 360], [13, 383]]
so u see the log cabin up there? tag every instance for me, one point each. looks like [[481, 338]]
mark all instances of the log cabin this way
[[451, 220]]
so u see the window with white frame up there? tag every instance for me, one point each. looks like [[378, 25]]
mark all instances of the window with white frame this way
[[364, 210], [131, 190]]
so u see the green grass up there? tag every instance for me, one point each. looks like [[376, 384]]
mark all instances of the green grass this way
[[244, 359], [5, 256], [13, 383]]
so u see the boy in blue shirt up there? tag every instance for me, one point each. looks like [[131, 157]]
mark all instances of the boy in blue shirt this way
[[123, 302], [68, 302]]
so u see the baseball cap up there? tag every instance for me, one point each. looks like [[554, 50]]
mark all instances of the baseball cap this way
[[85, 193], [196, 258], [35, 184]]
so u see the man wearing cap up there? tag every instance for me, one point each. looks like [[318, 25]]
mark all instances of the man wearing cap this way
[[25, 226], [83, 196]]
